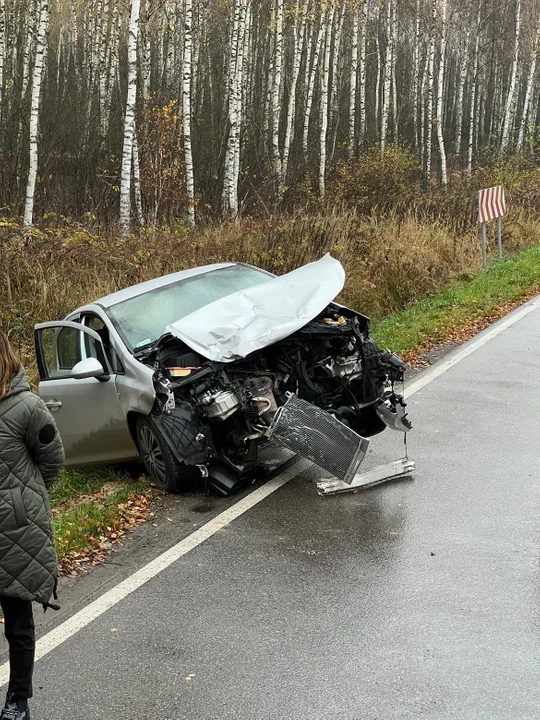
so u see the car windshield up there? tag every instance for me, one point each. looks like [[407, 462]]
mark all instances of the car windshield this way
[[144, 319]]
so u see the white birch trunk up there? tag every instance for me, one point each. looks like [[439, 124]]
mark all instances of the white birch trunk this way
[[276, 92], [39, 65], [463, 68], [112, 67], [440, 93], [129, 121], [395, 109], [2, 53], [353, 82], [362, 70], [268, 117], [329, 20], [195, 60], [28, 42], [474, 87], [230, 194], [244, 31], [524, 125], [311, 87], [146, 50], [334, 85], [428, 133], [104, 54], [416, 74], [379, 71], [387, 76], [510, 107], [299, 30], [137, 180], [186, 109]]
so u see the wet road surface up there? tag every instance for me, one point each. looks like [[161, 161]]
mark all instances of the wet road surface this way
[[416, 599]]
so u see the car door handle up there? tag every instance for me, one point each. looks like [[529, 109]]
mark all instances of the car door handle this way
[[54, 404]]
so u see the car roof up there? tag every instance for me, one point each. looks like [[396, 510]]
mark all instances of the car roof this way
[[136, 290]]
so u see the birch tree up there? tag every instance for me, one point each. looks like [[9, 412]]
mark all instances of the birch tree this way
[[429, 115], [353, 81], [37, 79], [440, 93], [186, 109], [525, 119], [299, 31], [325, 74], [362, 70], [463, 68], [2, 53], [270, 92], [474, 88], [311, 87], [416, 72], [276, 91], [129, 120], [510, 107], [387, 74]]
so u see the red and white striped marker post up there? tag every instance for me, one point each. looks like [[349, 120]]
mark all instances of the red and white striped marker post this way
[[491, 206]]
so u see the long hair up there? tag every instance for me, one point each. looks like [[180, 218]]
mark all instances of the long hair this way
[[9, 365]]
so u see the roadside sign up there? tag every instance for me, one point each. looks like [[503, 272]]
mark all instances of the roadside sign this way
[[491, 206]]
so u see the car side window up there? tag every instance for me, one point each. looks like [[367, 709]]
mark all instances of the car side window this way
[[95, 323], [62, 350]]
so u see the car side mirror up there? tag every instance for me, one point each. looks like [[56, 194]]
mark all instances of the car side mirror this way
[[89, 368]]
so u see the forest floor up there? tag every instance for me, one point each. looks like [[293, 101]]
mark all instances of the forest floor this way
[[95, 508]]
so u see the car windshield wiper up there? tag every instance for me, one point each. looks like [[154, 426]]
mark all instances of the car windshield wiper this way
[[143, 346]]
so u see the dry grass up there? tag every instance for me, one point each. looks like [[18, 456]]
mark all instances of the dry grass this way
[[390, 263]]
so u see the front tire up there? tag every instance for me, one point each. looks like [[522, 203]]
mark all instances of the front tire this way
[[161, 465]]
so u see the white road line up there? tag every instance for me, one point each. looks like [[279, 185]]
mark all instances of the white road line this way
[[430, 375], [85, 616], [111, 598]]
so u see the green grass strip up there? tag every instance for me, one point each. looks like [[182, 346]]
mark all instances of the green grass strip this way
[[433, 319], [87, 524]]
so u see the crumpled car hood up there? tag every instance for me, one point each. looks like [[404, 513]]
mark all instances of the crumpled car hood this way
[[236, 326]]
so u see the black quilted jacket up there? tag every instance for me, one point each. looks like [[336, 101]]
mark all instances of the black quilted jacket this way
[[31, 456]]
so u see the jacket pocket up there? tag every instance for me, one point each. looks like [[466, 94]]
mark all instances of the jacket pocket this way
[[12, 512], [18, 507]]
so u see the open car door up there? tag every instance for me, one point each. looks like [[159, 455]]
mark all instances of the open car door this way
[[79, 388]]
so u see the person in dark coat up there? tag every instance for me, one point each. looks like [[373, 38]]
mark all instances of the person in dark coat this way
[[31, 457]]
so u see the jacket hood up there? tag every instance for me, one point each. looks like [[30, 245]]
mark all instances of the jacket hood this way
[[19, 383]]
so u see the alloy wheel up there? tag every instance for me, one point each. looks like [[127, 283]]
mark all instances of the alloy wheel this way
[[153, 457]]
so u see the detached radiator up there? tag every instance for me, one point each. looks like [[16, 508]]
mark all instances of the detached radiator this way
[[318, 436]]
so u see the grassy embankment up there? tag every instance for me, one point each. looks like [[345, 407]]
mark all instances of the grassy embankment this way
[[93, 509], [464, 307]]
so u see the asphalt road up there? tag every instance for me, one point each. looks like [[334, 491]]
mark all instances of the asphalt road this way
[[415, 599]]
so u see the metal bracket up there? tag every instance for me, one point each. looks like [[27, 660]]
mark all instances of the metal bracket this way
[[375, 476]]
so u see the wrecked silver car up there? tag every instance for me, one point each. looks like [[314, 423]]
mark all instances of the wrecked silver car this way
[[196, 371]]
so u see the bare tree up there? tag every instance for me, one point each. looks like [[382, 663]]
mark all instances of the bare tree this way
[[186, 109], [474, 89], [440, 92], [354, 81], [525, 118], [509, 109], [129, 120], [387, 73], [328, 20], [37, 79]]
